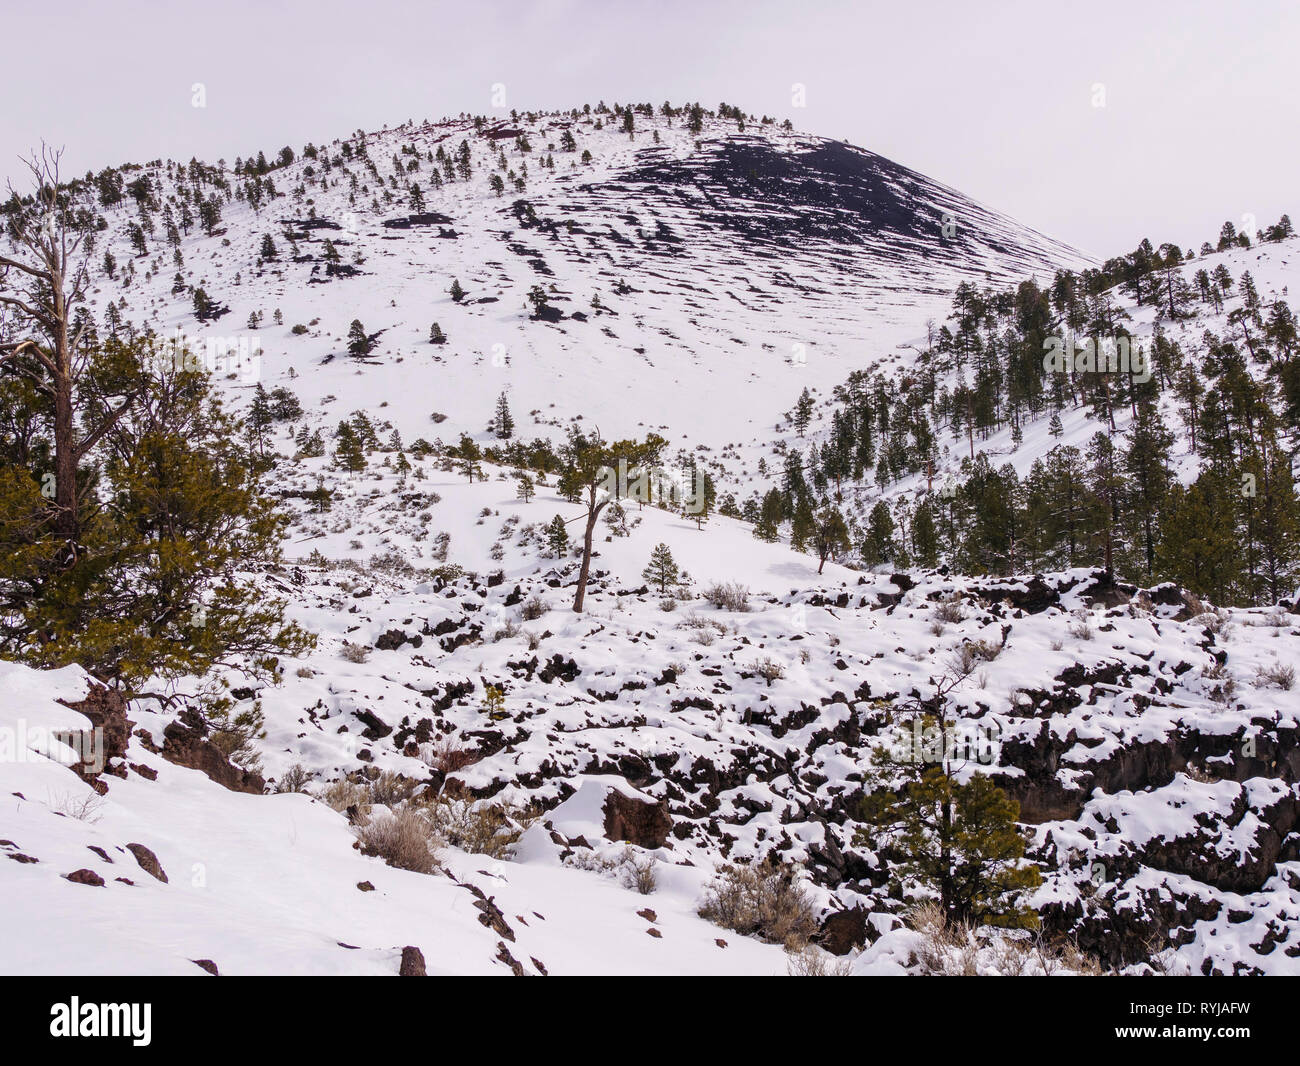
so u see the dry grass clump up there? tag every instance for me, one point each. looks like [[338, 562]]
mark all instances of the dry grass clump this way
[[637, 872], [769, 670], [478, 826], [812, 961], [956, 949], [402, 839], [448, 755], [727, 595], [1278, 675], [354, 653], [950, 610], [342, 794], [761, 899]]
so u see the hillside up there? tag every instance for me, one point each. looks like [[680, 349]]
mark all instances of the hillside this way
[[463, 774]]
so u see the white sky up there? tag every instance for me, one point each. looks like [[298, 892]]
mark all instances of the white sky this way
[[993, 98]]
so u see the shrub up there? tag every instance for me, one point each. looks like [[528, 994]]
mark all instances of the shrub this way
[[402, 839], [481, 827], [448, 755], [235, 731], [812, 961], [295, 779], [728, 595], [637, 872], [950, 610], [761, 899], [391, 789], [1278, 675], [342, 794], [769, 670], [533, 608], [354, 653]]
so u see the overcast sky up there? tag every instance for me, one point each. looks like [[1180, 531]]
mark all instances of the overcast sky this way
[[997, 99]]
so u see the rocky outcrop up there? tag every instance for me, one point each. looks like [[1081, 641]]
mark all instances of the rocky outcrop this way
[[103, 747], [644, 824], [186, 743]]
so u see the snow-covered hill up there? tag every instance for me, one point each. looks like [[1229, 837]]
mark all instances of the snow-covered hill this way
[[592, 776], [731, 268]]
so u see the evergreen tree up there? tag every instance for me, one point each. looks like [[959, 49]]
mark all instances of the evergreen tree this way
[[348, 453], [925, 540], [468, 455], [803, 412], [524, 488], [829, 536], [768, 526], [1199, 549], [436, 335], [951, 840], [503, 422], [259, 416], [557, 537], [178, 520], [878, 547], [661, 570], [360, 344], [802, 523]]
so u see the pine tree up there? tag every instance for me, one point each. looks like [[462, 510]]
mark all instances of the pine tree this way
[[768, 526], [1198, 549], [259, 416], [1146, 462], [504, 423], [360, 343], [456, 292], [878, 547], [494, 702], [348, 453], [925, 540], [829, 536], [960, 842], [802, 523], [169, 592], [955, 841], [803, 411], [436, 335], [662, 569], [468, 454], [557, 537]]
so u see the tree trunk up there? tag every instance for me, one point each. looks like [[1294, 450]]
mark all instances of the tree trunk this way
[[593, 513]]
